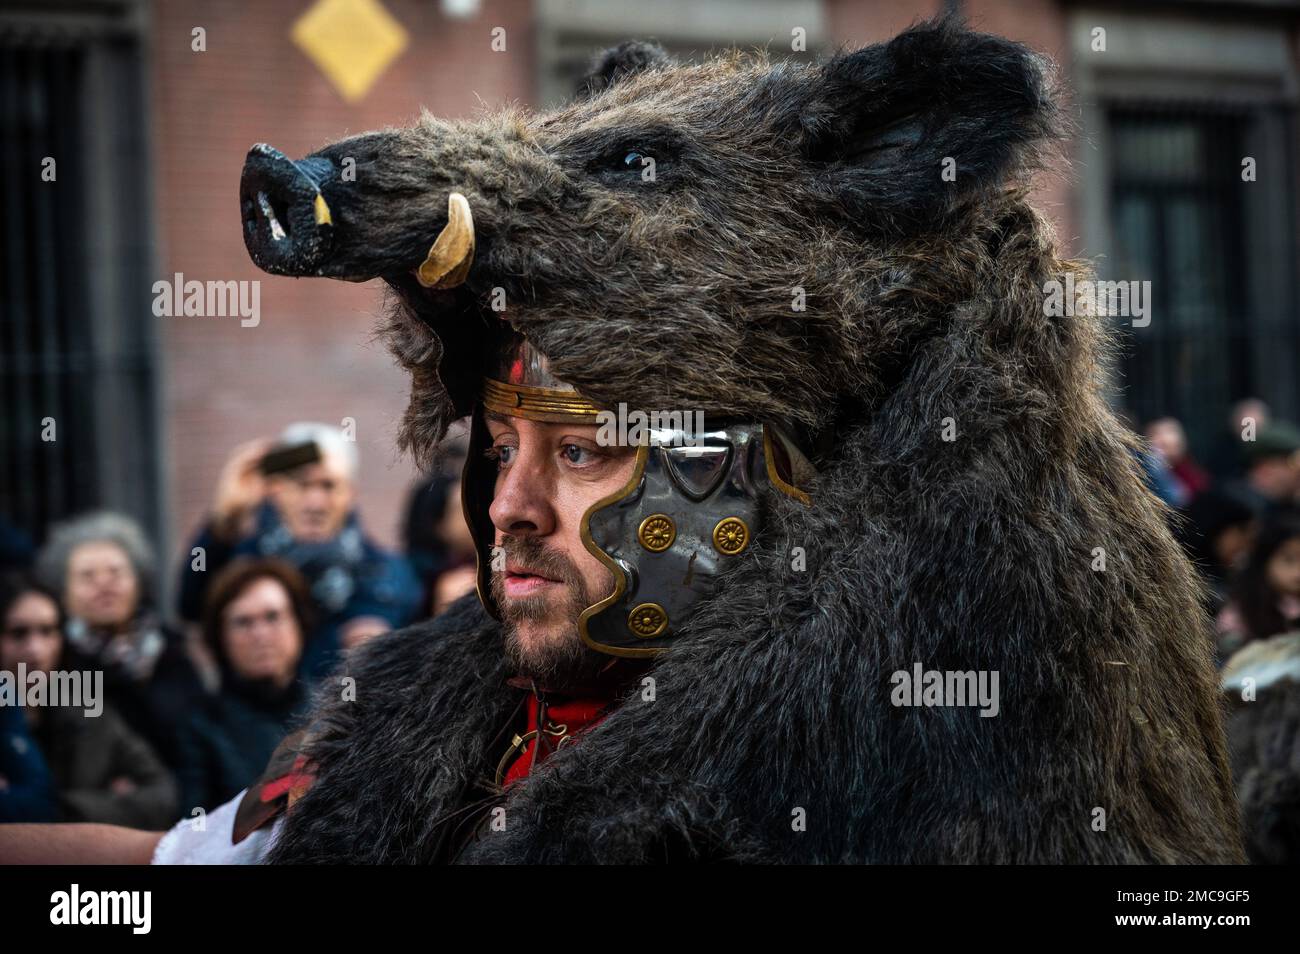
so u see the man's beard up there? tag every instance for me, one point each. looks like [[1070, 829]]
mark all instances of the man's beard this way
[[559, 663]]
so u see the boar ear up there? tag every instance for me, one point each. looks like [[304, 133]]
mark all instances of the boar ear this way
[[905, 129], [618, 62]]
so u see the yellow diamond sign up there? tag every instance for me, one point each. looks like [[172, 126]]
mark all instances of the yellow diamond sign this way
[[351, 41]]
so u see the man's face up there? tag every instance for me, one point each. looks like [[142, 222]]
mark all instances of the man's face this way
[[313, 500], [547, 477]]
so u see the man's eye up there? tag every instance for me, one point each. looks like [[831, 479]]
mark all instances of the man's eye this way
[[578, 456], [503, 454]]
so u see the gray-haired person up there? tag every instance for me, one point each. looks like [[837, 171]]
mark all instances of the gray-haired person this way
[[101, 565]]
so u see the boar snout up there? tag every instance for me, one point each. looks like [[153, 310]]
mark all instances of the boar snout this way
[[288, 222]]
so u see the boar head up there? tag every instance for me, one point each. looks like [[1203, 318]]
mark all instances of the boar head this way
[[768, 241]]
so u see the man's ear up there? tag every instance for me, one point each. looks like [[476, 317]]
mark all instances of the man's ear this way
[[902, 130], [618, 62]]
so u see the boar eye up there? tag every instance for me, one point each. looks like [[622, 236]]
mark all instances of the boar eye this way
[[636, 159], [619, 162]]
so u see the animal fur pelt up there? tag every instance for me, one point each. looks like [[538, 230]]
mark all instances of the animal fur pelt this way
[[771, 735], [1262, 685]]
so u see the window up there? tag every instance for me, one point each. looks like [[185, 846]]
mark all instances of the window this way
[[571, 32], [77, 357], [1183, 220]]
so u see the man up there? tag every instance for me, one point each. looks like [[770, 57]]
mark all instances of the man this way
[[1272, 479], [567, 526], [592, 553], [1167, 438], [304, 514]]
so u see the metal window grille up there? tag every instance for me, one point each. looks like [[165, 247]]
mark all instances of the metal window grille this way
[[77, 356], [1185, 220]]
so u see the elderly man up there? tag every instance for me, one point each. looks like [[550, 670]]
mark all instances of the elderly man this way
[[270, 503]]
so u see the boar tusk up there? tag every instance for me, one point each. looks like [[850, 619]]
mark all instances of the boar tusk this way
[[322, 211], [448, 262]]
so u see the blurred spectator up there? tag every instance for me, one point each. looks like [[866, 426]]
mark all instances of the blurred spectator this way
[[1159, 478], [1217, 532], [1227, 460], [1265, 596], [1166, 435], [438, 542], [102, 771], [1272, 479], [101, 565], [305, 516], [1155, 470], [361, 629], [26, 789], [254, 624]]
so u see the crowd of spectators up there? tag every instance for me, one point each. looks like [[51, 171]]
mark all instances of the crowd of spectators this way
[[186, 706]]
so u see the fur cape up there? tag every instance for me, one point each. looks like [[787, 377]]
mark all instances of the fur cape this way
[[1024, 543], [772, 736]]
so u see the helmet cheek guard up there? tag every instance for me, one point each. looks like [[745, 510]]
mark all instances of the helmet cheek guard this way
[[690, 507]]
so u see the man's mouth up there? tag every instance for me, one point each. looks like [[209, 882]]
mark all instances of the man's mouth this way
[[525, 581]]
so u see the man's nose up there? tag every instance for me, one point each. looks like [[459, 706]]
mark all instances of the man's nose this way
[[524, 504], [317, 498]]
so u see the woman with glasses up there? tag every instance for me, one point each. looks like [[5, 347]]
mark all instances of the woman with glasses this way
[[253, 623]]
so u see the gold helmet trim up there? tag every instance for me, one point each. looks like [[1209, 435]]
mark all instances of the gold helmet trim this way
[[538, 404], [620, 582]]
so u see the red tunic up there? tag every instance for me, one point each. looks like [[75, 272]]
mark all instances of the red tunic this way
[[566, 720]]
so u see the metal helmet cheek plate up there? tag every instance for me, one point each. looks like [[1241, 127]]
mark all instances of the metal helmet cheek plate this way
[[690, 505]]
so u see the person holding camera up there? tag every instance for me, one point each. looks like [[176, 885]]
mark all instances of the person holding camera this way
[[295, 499]]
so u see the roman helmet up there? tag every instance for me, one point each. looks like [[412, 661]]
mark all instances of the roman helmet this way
[[690, 506]]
